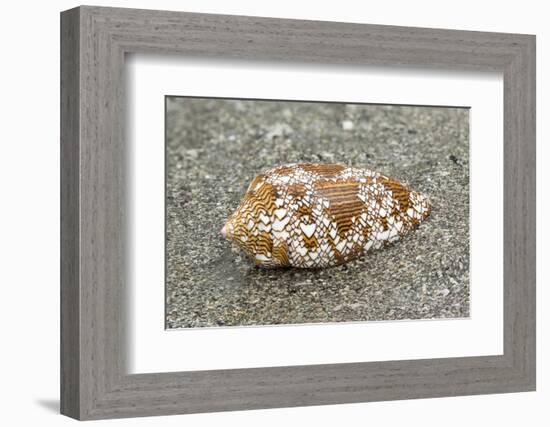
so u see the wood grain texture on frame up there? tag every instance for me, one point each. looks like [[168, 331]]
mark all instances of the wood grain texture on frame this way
[[94, 273]]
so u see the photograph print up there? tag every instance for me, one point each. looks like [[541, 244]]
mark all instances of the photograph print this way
[[297, 212]]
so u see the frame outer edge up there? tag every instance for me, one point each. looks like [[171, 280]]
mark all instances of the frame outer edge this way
[[532, 138], [527, 167], [70, 396], [90, 364], [520, 216]]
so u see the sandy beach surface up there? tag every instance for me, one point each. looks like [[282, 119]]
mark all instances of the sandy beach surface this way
[[214, 148]]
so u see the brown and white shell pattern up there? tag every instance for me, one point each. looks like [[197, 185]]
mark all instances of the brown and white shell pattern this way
[[320, 215]]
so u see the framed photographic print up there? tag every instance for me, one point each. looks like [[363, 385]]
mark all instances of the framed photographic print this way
[[262, 213]]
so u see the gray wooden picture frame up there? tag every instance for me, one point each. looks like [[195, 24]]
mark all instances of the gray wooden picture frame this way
[[94, 381]]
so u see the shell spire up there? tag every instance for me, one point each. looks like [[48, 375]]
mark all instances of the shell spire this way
[[318, 215]]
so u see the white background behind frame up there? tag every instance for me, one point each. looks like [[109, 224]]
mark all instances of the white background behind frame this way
[[34, 398], [152, 349]]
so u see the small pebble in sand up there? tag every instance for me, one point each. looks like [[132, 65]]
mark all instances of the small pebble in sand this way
[[347, 125]]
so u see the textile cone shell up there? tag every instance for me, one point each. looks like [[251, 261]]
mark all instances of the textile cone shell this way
[[321, 215]]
